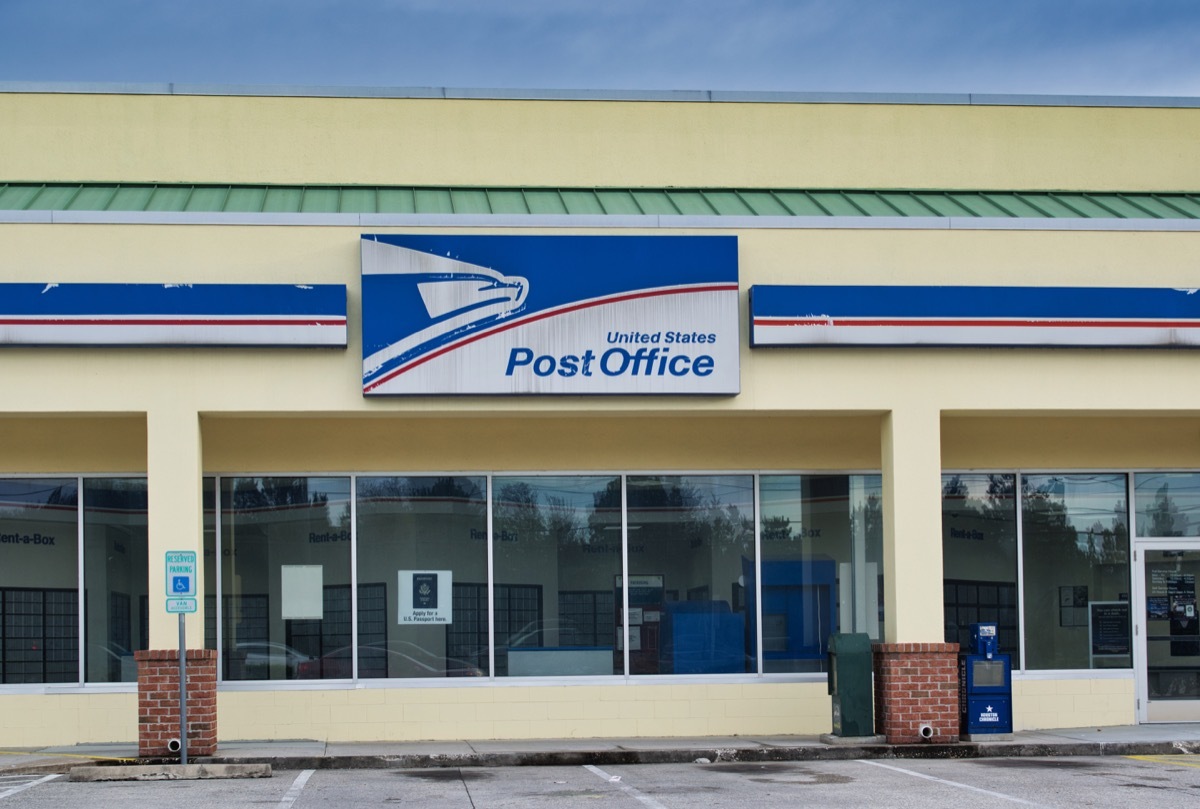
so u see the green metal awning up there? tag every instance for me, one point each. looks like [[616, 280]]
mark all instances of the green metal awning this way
[[366, 199]]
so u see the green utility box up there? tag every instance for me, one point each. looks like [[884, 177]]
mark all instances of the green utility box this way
[[850, 684]]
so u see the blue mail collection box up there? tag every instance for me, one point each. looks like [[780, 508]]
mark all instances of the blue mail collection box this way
[[985, 685]]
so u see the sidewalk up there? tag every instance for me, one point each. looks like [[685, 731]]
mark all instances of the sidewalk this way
[[1164, 739]]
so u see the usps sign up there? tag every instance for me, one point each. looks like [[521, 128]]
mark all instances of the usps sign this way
[[445, 315]]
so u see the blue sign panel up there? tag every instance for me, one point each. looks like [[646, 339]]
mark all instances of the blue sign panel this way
[[550, 315], [974, 316], [173, 314]]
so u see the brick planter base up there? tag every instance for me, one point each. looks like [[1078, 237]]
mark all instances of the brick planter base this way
[[916, 684], [158, 701]]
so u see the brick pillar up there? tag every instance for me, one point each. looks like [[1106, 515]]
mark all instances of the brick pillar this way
[[158, 701], [916, 684]]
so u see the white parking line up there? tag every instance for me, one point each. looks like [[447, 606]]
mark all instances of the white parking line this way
[[21, 788], [615, 780], [294, 791], [915, 774]]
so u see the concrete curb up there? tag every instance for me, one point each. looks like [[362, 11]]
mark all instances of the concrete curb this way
[[716, 755], [168, 772], [45, 766]]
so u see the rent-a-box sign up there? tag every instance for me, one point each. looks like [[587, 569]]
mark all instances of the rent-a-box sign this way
[[445, 315]]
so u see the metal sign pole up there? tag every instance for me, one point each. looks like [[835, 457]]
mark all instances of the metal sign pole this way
[[183, 740]]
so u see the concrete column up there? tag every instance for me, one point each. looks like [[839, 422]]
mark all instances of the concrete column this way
[[176, 516], [912, 525], [916, 682]]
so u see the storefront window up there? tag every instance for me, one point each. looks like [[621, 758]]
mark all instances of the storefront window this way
[[1168, 504], [1076, 565], [286, 578], [422, 573], [557, 555], [979, 557], [209, 579], [691, 540], [822, 546], [115, 548], [39, 581]]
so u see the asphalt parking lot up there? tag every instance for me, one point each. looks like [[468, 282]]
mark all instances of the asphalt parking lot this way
[[1109, 781]]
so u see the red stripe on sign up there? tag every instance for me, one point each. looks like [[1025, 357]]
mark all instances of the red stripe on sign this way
[[167, 322], [1065, 324], [446, 349]]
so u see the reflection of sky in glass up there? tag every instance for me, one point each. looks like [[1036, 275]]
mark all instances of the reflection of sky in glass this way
[[53, 499], [36, 491], [1168, 503]]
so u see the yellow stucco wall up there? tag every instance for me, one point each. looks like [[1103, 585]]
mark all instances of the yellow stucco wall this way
[[72, 444], [43, 720], [1067, 702], [1038, 442], [530, 711], [592, 143], [566, 443], [527, 712]]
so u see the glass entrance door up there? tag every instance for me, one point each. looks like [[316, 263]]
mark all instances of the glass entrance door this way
[[1172, 635]]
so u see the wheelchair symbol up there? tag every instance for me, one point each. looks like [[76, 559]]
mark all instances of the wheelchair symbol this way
[[180, 584]]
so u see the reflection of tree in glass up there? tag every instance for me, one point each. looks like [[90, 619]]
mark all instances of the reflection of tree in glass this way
[[670, 508], [869, 519], [996, 504], [65, 496], [401, 495], [1166, 518], [253, 494], [606, 504], [263, 498], [515, 514], [1048, 525], [524, 521]]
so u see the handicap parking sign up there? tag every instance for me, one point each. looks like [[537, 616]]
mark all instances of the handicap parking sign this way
[[181, 573]]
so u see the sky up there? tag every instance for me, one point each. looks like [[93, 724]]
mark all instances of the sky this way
[[1052, 47]]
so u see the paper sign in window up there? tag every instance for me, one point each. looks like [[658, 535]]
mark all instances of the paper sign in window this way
[[303, 592]]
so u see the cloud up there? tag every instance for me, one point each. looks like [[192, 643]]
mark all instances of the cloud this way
[[1021, 46]]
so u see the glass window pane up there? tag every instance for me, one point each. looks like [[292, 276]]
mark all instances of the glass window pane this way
[[422, 573], [115, 547], [979, 557], [1172, 631], [557, 556], [690, 541], [209, 494], [285, 575], [822, 571], [1076, 561], [1168, 504], [39, 581]]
